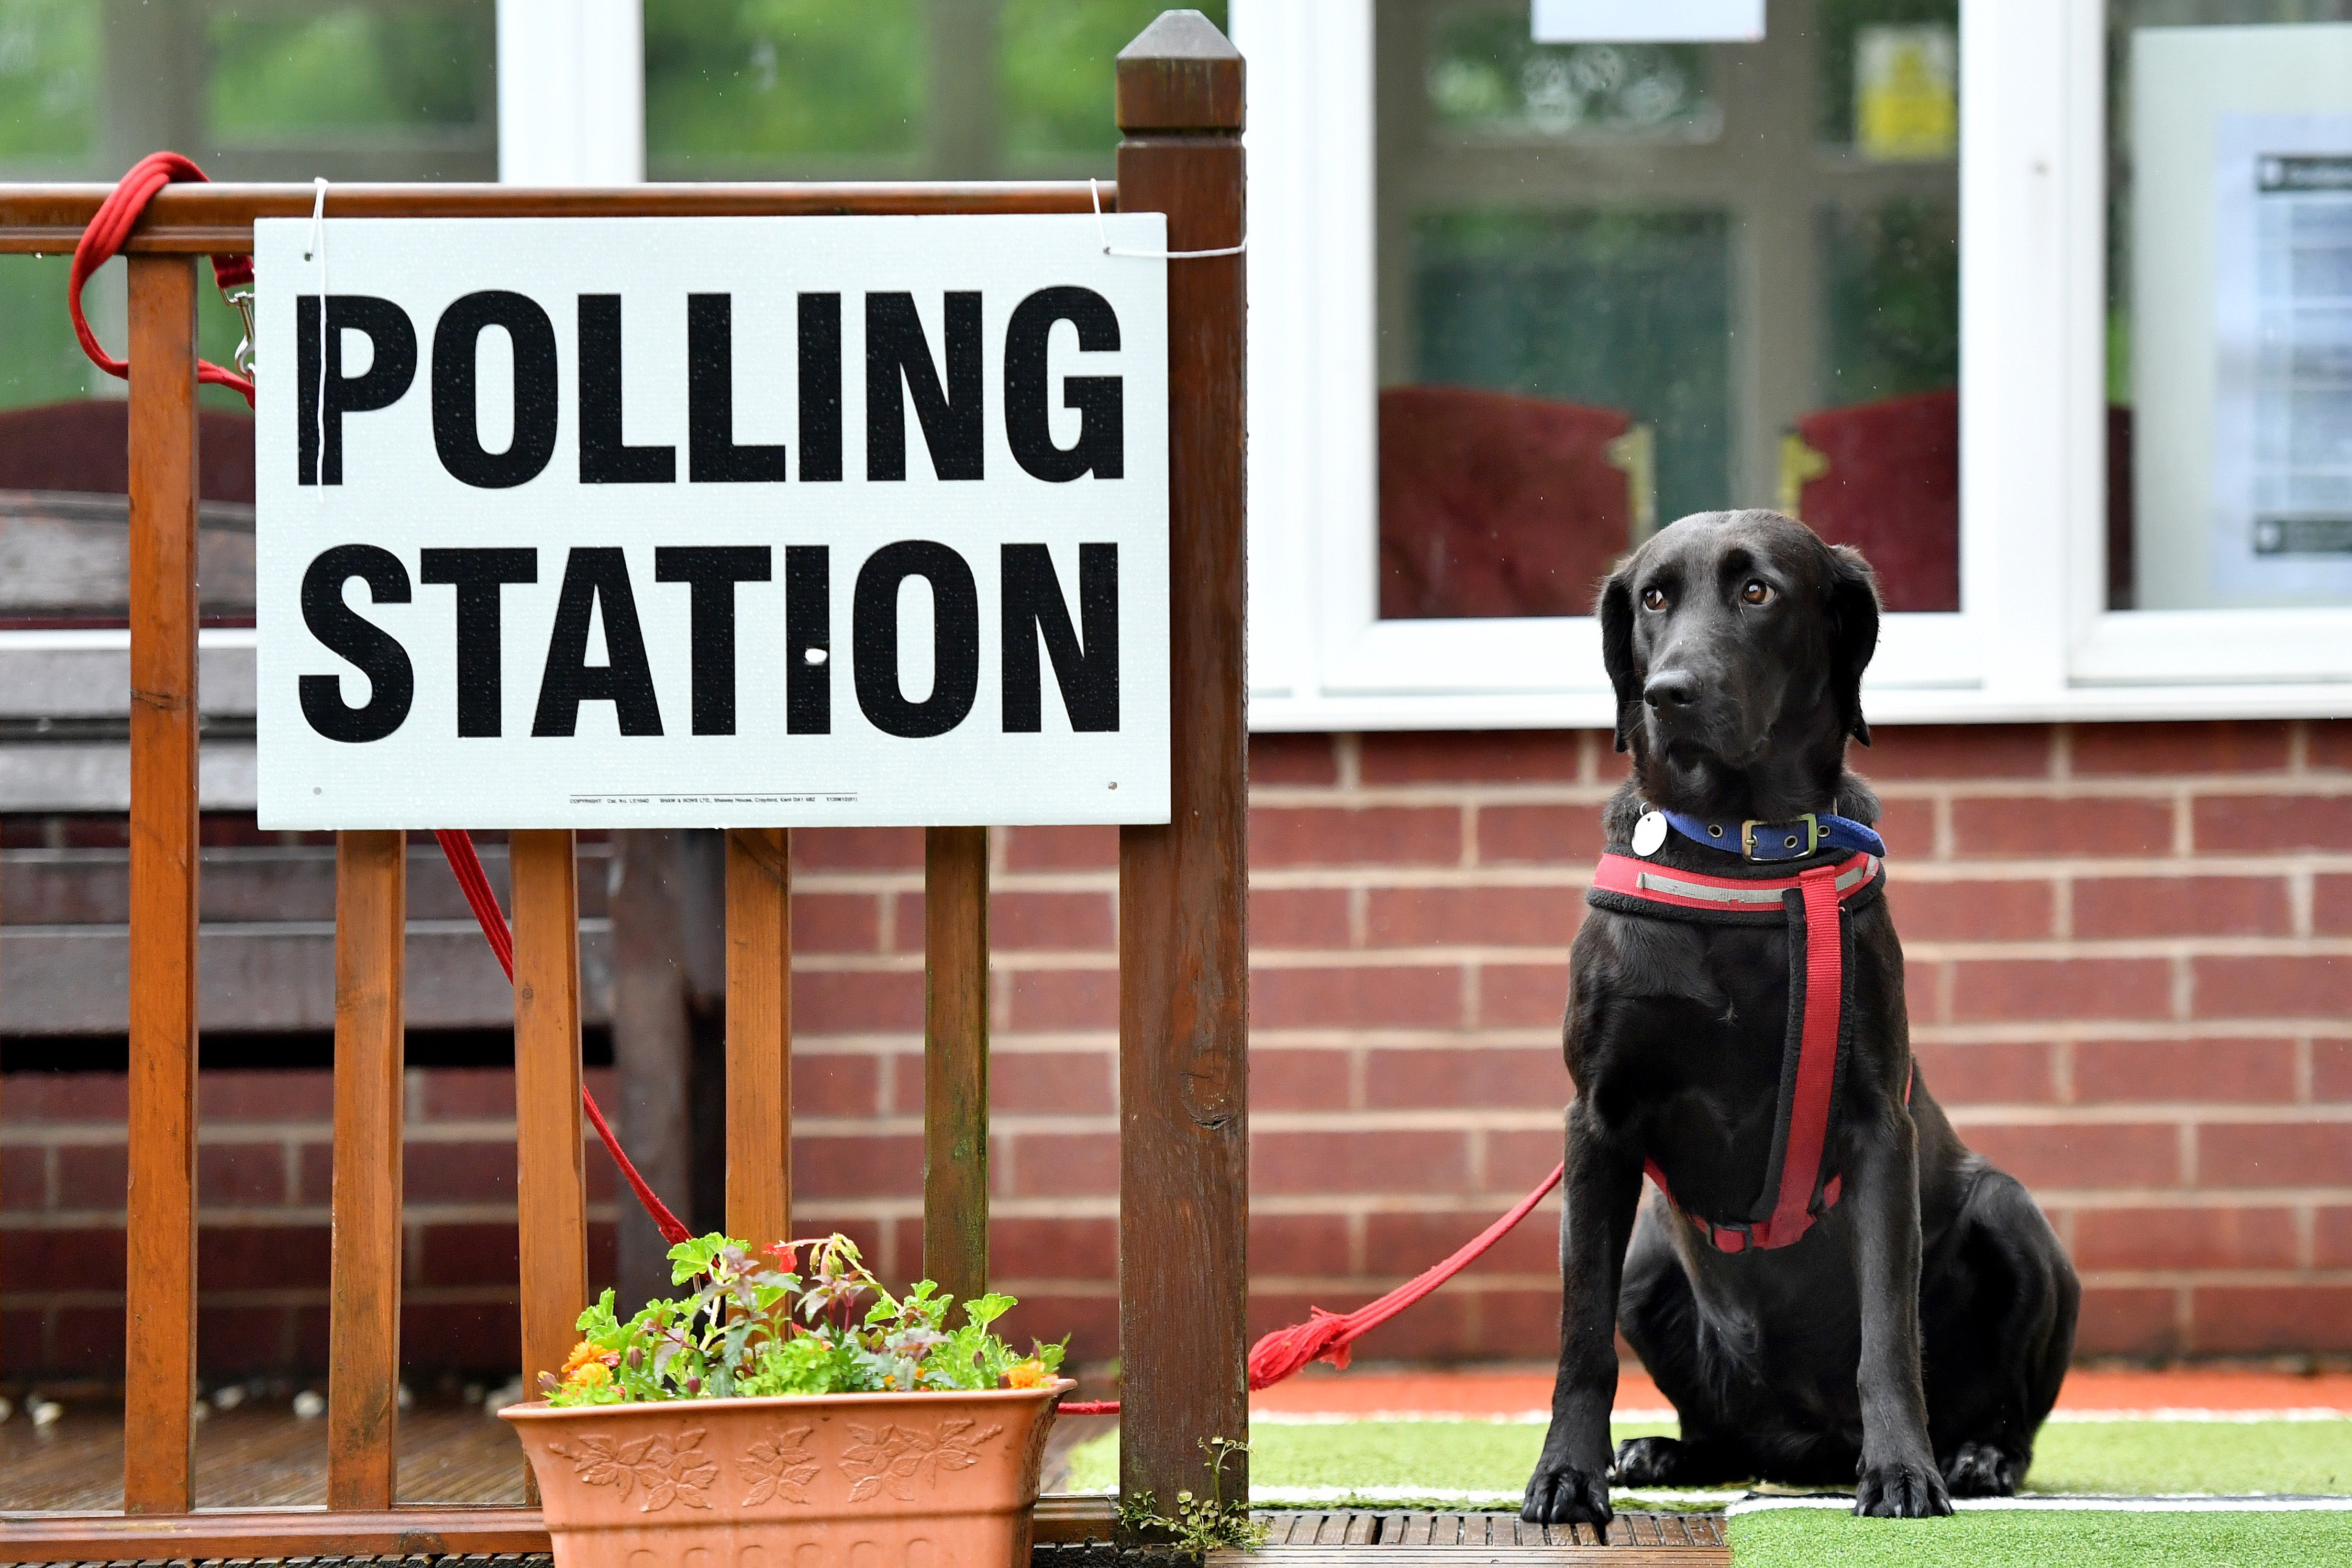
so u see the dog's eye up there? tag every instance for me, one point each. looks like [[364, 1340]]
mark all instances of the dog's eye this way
[[1653, 598], [1757, 591]]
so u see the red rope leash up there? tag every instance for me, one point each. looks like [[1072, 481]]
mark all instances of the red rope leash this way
[[1326, 1336], [100, 242]]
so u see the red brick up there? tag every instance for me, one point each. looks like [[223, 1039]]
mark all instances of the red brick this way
[[1471, 756], [1479, 916], [482, 1337], [1407, 1243], [87, 1341], [2274, 1153], [856, 1001], [2212, 1072], [1434, 1327], [232, 1174], [1299, 1245], [315, 1169], [1954, 751], [1992, 1072], [87, 1259], [1301, 1080], [1519, 1325], [1061, 848], [1389, 998], [261, 1257], [2148, 1239], [868, 1165], [1532, 996], [465, 1255], [2331, 1237], [2273, 986], [2331, 905], [1090, 1324], [836, 922], [1057, 1164], [1399, 1160], [66, 1097], [2264, 1320], [1061, 998], [1293, 759], [1516, 1159], [1909, 828], [2228, 746], [458, 1173], [1999, 990], [1355, 835], [859, 849], [1056, 921], [2268, 824], [2135, 1320], [1923, 991], [272, 1095], [466, 1093], [243, 1341], [24, 1178], [2007, 910], [1057, 1248], [836, 1083], [2331, 1068], [2057, 826], [2330, 743], [1059, 1084], [1504, 1077], [2115, 906], [2083, 1154], [1297, 918], [92, 1176], [1539, 835]]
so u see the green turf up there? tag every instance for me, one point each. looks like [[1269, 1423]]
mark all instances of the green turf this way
[[2134, 1456], [1807, 1538]]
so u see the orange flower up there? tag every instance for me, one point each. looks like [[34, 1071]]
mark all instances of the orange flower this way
[[1028, 1374], [590, 1374], [581, 1353]]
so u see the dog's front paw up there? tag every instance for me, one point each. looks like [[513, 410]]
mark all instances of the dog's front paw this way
[[1563, 1494], [1980, 1469], [1647, 1462], [1904, 1490]]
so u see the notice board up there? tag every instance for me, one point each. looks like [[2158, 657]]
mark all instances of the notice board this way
[[711, 522]]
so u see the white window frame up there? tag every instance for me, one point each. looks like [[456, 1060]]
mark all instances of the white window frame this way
[[2032, 640]]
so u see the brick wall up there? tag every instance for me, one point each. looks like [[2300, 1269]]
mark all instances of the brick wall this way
[[2131, 983]]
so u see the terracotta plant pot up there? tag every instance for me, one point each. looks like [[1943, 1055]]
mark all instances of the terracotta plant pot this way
[[835, 1480]]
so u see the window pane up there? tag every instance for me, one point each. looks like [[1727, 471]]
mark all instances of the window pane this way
[[49, 79], [1619, 283], [393, 72], [2229, 303]]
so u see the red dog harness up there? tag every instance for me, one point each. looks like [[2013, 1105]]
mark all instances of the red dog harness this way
[[1814, 903]]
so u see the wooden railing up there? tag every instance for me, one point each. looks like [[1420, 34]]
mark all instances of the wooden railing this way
[[1184, 976]]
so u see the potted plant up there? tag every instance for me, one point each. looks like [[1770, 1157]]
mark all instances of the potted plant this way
[[774, 1420]]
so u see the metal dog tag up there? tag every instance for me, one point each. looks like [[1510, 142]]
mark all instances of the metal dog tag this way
[[1649, 833]]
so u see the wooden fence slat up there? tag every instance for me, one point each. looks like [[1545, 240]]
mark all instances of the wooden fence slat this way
[[551, 1194], [160, 1352], [363, 1310], [1183, 966], [955, 1060], [759, 1035]]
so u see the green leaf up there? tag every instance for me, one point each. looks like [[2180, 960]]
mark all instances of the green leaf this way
[[688, 1259], [983, 1310]]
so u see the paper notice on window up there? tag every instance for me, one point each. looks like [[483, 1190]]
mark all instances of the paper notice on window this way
[[2282, 355]]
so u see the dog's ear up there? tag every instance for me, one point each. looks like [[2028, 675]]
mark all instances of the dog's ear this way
[[1854, 634], [1617, 653]]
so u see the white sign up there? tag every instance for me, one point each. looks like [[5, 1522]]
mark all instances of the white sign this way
[[1648, 21], [711, 522]]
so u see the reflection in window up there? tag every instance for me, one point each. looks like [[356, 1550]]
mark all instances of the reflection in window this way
[[1619, 283], [2229, 303], [379, 68], [48, 80]]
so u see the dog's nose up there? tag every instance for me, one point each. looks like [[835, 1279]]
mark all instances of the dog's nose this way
[[1671, 688]]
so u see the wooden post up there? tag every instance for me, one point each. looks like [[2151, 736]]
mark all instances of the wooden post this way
[[363, 1310], [1183, 973], [553, 1205], [759, 1035], [955, 1060], [655, 934], [160, 1279]]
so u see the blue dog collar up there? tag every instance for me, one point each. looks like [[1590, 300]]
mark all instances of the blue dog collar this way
[[1758, 841]]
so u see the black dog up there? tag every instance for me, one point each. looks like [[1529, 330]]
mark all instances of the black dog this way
[[1915, 1335]]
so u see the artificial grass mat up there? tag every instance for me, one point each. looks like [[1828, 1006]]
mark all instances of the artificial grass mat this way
[[2127, 1456], [1805, 1537]]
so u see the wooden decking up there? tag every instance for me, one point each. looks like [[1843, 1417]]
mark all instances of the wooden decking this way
[[1301, 1540]]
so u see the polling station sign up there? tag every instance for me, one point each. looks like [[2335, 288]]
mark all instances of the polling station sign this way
[[711, 522]]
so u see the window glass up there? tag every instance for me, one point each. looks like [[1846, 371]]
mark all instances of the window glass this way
[[886, 88], [48, 80], [1619, 283], [2229, 303]]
